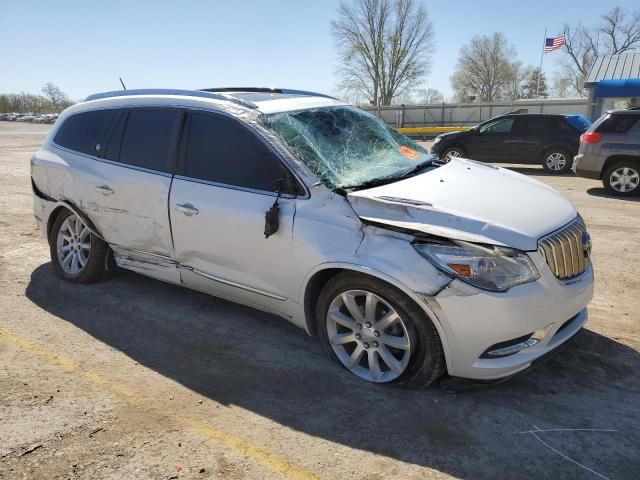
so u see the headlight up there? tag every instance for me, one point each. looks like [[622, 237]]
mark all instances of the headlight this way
[[436, 140], [491, 268]]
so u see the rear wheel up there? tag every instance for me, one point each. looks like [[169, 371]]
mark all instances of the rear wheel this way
[[377, 333], [556, 160], [77, 255], [622, 178]]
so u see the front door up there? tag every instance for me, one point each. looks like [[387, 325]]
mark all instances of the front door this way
[[490, 142], [218, 206]]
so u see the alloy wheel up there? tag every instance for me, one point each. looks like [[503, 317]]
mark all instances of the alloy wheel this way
[[556, 161], [451, 154], [624, 179], [368, 336], [73, 245]]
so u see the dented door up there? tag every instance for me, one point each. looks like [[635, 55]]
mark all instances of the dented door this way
[[220, 243]]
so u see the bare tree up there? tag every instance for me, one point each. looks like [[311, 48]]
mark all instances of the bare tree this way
[[486, 69], [384, 46], [618, 32], [55, 95], [429, 96]]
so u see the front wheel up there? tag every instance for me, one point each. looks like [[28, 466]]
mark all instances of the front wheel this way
[[77, 255], [622, 179], [556, 160], [377, 333], [451, 153]]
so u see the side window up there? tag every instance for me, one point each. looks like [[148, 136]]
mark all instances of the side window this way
[[147, 137], [499, 126], [559, 125], [219, 149], [617, 123], [83, 132]]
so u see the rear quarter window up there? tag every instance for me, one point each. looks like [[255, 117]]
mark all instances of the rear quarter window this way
[[82, 132], [617, 123]]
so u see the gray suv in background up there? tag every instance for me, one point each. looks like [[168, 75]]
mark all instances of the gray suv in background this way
[[610, 151]]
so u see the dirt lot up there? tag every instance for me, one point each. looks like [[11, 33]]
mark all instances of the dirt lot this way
[[138, 379]]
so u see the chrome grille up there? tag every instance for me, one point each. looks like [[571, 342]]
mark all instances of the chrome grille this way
[[565, 250]]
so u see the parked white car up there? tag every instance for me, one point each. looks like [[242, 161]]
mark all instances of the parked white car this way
[[298, 204]]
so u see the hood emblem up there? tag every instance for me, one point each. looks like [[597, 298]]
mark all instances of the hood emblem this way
[[586, 244]]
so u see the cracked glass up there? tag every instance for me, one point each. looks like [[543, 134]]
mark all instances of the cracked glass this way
[[347, 147]]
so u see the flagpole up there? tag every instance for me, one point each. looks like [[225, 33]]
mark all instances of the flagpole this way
[[544, 42]]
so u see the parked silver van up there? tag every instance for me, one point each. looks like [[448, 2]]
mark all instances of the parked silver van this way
[[298, 204]]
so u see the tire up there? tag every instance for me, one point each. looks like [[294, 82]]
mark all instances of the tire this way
[[68, 238], [557, 161], [622, 178], [452, 152], [418, 358]]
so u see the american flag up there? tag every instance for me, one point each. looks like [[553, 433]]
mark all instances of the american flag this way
[[551, 44]]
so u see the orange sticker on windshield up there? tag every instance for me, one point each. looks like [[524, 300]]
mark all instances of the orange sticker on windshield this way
[[409, 153]]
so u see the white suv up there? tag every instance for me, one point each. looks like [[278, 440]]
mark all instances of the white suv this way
[[298, 204]]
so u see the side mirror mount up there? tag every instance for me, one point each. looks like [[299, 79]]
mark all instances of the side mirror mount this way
[[272, 217]]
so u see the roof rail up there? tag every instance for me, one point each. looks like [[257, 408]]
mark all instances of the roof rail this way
[[169, 91], [286, 91]]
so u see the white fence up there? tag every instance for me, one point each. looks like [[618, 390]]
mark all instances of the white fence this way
[[467, 114]]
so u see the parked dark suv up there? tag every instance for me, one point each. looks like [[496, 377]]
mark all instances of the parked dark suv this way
[[550, 140], [610, 151]]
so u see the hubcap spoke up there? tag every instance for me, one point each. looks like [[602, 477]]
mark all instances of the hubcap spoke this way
[[370, 305], [390, 360], [340, 318], [342, 338], [400, 343], [389, 319], [350, 302], [355, 357], [374, 365]]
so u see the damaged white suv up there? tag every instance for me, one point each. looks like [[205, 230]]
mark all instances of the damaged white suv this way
[[297, 204]]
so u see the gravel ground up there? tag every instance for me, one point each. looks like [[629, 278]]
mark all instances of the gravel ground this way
[[134, 378]]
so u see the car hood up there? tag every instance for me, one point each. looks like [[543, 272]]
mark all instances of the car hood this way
[[470, 201]]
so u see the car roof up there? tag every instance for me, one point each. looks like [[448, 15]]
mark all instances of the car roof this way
[[265, 100], [628, 111]]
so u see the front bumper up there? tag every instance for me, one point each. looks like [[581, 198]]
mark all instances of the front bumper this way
[[474, 320]]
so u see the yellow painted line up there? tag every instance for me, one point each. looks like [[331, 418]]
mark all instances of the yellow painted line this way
[[272, 461], [418, 130]]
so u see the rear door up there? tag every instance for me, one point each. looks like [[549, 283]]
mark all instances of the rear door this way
[[218, 205], [490, 143], [124, 186], [527, 138]]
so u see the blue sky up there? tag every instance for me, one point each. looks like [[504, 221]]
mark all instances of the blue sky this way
[[83, 46]]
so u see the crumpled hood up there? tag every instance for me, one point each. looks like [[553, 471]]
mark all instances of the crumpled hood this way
[[471, 201]]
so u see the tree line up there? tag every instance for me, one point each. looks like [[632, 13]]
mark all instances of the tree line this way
[[385, 50], [51, 100]]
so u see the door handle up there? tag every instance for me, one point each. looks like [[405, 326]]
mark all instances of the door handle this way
[[187, 209], [105, 189]]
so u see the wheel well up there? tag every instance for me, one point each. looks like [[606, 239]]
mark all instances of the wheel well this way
[[52, 219], [618, 158], [459, 146], [314, 286], [556, 147]]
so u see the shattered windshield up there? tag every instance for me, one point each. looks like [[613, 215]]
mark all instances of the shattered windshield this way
[[347, 147]]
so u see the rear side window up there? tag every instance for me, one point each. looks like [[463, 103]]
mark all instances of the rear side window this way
[[147, 138], [617, 123], [559, 125], [220, 149], [85, 132], [530, 125]]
